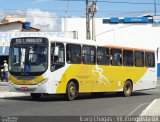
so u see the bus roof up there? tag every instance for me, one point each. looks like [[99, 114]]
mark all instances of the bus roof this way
[[74, 41], [92, 43]]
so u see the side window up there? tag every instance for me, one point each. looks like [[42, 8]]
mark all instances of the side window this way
[[103, 56], [116, 57], [149, 59], [89, 54], [73, 53], [127, 58], [57, 56], [139, 58]]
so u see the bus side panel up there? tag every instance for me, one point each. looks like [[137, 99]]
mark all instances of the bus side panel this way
[[80, 73], [95, 78], [113, 78]]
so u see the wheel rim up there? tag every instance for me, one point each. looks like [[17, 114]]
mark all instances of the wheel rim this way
[[72, 90], [128, 89]]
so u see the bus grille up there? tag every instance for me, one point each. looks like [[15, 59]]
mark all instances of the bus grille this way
[[25, 77]]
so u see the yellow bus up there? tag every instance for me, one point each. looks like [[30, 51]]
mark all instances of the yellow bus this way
[[54, 65]]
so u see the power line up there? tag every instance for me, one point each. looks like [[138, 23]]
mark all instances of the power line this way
[[124, 2], [32, 10], [107, 1], [66, 11]]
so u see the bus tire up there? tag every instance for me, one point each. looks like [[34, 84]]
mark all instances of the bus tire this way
[[35, 96], [127, 89], [71, 91]]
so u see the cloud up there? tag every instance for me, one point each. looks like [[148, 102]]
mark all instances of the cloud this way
[[3, 13], [46, 21]]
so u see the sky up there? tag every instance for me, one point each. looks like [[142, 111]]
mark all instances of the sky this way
[[49, 12]]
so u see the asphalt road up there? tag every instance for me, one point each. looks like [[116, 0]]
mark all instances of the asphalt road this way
[[107, 105]]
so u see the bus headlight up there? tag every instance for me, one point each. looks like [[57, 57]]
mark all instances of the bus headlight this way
[[10, 82], [44, 81]]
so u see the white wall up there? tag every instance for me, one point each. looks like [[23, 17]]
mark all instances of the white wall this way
[[137, 35], [15, 27], [134, 35]]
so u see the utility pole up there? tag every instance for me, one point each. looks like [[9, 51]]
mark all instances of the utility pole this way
[[88, 33], [90, 13], [155, 8], [94, 10]]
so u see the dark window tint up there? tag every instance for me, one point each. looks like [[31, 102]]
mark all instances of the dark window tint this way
[[89, 54], [139, 58], [127, 58], [73, 53], [103, 56], [149, 59], [116, 57]]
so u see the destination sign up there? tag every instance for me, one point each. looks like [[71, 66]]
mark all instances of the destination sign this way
[[29, 40]]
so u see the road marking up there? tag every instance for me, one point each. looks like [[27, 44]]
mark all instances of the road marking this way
[[131, 113], [148, 108]]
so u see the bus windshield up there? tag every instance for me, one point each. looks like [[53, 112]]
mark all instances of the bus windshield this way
[[28, 59]]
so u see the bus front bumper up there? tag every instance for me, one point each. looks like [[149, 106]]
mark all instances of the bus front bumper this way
[[40, 88]]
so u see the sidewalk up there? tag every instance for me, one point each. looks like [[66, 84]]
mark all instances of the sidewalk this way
[[153, 109], [4, 91], [3, 86]]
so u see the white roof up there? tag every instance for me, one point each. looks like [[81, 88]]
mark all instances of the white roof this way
[[74, 41]]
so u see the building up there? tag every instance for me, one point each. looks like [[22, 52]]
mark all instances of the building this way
[[16, 23], [139, 33], [16, 26], [13, 18]]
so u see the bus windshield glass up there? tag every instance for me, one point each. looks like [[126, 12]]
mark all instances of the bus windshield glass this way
[[28, 59]]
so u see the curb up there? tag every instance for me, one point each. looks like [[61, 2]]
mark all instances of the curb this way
[[3, 83], [12, 94]]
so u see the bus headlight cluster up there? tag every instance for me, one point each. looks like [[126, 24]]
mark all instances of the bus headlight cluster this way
[[10, 82], [44, 81]]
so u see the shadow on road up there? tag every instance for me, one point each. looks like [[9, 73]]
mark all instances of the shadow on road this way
[[87, 96]]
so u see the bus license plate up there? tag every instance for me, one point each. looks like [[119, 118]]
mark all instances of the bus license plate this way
[[24, 88]]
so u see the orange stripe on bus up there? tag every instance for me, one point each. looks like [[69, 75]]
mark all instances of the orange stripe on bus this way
[[129, 48]]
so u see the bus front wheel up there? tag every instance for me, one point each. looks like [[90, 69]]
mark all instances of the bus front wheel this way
[[71, 91], [35, 96], [127, 89]]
